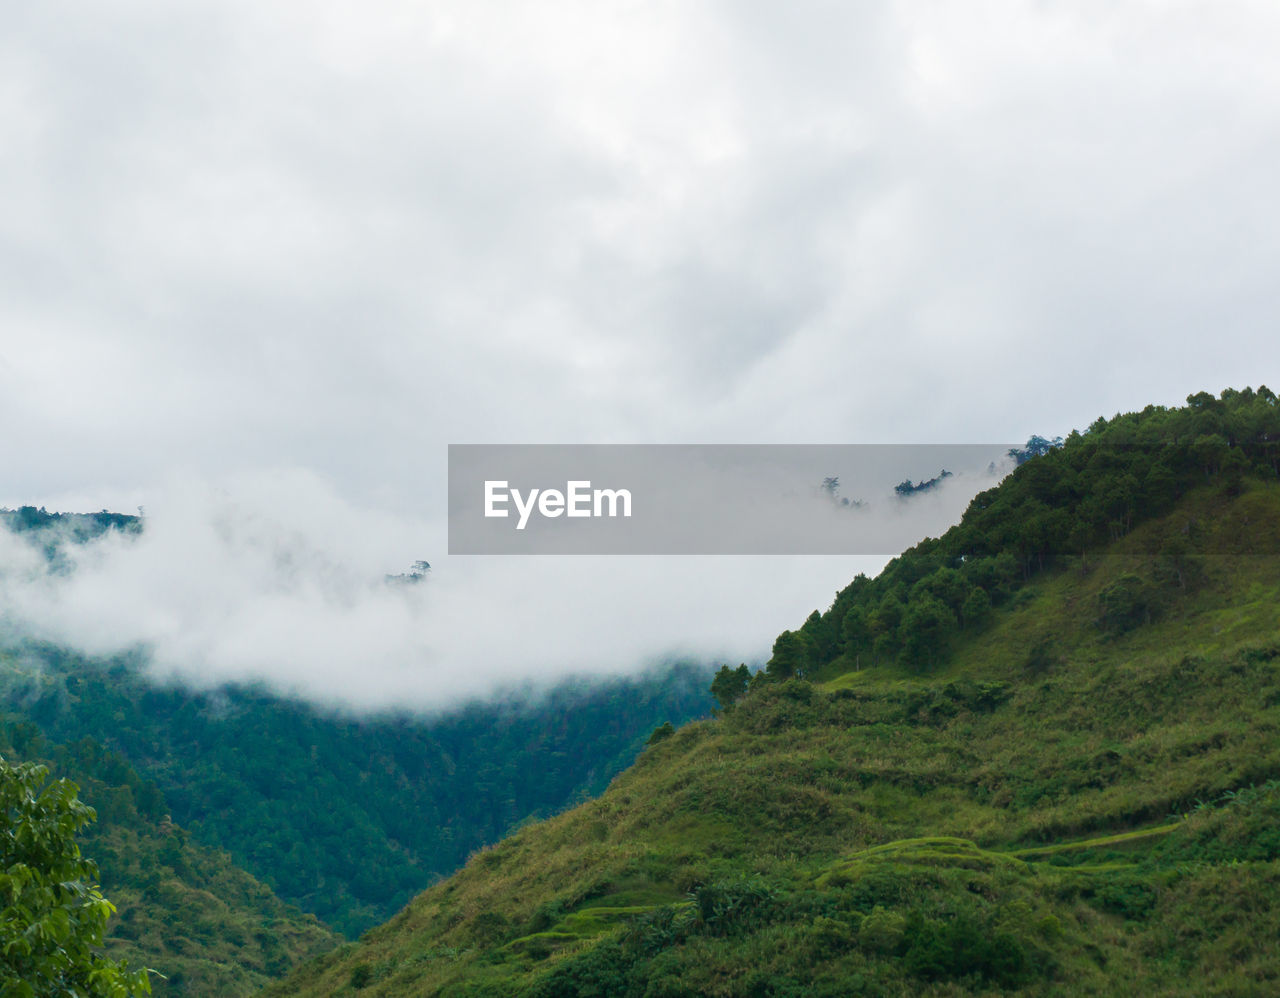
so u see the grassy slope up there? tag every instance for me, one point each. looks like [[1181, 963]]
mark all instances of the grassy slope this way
[[1022, 765]]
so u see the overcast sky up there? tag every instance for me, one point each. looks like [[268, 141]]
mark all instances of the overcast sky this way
[[266, 246]]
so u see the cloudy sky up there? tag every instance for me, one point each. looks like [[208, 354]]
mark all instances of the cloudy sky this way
[[277, 255]]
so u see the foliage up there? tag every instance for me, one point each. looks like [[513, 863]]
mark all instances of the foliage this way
[[1065, 500], [792, 654], [52, 922], [907, 488], [730, 685], [962, 947], [1125, 604], [206, 926], [346, 817], [1036, 446], [997, 820], [1067, 789], [50, 533]]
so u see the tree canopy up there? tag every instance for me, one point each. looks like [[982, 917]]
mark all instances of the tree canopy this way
[[54, 916], [1064, 499]]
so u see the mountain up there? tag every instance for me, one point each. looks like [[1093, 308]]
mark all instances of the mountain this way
[[346, 816], [1037, 755], [183, 910]]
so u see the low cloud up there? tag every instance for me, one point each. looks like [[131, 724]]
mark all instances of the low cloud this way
[[275, 577]]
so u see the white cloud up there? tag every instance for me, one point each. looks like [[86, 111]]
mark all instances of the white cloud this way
[[273, 577], [280, 234]]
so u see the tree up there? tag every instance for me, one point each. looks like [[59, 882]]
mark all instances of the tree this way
[[1037, 446], [947, 584], [927, 625], [977, 608], [1159, 489], [997, 575], [1125, 604], [821, 636], [729, 685], [1209, 449], [856, 632], [791, 656], [883, 624], [53, 914]]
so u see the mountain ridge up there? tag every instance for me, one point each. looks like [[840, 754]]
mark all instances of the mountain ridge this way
[[1073, 792]]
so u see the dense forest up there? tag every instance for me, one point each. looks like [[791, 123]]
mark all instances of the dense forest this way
[[1069, 788]]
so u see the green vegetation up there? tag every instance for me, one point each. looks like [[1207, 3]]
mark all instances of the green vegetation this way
[[53, 917], [348, 817], [51, 532], [55, 529], [907, 488], [205, 925], [1068, 788], [1066, 500]]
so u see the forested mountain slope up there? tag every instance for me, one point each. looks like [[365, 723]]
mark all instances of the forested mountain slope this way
[[346, 816], [186, 911], [1066, 784]]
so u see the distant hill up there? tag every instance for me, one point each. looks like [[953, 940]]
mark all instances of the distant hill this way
[[1069, 784], [347, 817], [75, 527], [52, 531]]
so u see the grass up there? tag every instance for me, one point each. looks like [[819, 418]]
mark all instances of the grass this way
[[864, 833]]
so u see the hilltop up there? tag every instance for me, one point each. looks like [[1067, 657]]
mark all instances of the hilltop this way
[[1035, 755]]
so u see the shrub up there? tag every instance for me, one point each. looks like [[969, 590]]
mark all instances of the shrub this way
[[361, 976], [1124, 604], [961, 947], [731, 906], [882, 931]]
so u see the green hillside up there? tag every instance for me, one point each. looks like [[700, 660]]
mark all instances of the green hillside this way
[[186, 911], [347, 817], [1037, 755]]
